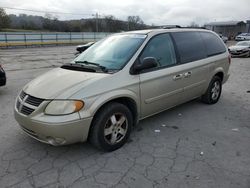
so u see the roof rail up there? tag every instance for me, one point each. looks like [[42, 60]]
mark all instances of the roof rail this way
[[190, 27], [177, 26], [170, 26]]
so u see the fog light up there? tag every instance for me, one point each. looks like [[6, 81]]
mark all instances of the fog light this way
[[55, 141]]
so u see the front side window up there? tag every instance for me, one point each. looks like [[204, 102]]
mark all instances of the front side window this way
[[161, 48], [112, 52]]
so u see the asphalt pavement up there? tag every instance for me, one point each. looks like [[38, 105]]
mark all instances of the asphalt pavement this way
[[193, 145]]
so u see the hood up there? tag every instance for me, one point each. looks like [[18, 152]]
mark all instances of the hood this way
[[58, 81], [237, 47]]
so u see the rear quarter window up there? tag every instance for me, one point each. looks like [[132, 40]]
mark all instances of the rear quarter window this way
[[190, 46], [214, 45]]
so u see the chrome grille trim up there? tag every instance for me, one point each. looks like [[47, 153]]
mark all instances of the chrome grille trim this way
[[22, 95], [27, 104], [18, 104]]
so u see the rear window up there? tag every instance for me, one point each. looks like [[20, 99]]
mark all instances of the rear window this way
[[190, 46], [213, 43]]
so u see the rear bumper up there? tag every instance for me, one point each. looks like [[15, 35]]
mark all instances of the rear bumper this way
[[55, 133]]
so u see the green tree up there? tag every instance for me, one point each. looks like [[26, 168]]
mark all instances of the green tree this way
[[4, 19]]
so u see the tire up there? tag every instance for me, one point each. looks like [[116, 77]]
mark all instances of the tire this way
[[213, 92], [111, 127]]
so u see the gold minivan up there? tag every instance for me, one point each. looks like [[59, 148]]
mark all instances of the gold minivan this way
[[124, 78]]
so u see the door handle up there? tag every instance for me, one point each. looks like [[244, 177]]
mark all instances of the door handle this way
[[187, 74], [177, 77]]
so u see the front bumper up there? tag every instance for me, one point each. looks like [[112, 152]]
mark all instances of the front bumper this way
[[239, 39], [2, 79], [55, 133], [239, 54]]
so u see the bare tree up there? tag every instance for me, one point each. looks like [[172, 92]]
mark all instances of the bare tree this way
[[135, 23], [4, 19], [110, 22]]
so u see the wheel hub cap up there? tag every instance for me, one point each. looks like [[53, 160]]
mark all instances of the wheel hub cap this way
[[215, 90], [115, 128]]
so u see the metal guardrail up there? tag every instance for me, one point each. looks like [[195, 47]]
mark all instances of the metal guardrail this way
[[9, 39]]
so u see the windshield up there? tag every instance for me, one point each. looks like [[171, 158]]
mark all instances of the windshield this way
[[242, 34], [112, 52], [243, 44]]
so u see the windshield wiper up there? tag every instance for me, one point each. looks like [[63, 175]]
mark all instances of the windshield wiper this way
[[103, 68], [77, 67]]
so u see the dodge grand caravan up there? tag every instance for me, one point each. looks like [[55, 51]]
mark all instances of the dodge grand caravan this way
[[124, 78]]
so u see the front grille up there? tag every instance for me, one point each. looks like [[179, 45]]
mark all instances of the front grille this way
[[30, 132], [26, 110], [26, 104], [34, 101]]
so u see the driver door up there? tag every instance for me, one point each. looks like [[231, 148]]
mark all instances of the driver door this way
[[161, 87]]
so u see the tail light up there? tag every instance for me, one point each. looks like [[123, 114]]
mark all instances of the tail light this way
[[229, 59]]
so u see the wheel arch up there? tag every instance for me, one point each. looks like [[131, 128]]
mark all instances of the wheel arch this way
[[129, 100], [220, 74]]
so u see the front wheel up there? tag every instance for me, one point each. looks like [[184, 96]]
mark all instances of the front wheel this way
[[213, 92], [111, 127]]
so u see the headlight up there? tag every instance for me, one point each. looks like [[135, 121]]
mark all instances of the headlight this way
[[63, 107]]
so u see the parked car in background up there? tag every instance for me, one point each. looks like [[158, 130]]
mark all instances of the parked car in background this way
[[82, 48], [242, 36], [122, 79], [2, 76], [241, 49], [225, 39]]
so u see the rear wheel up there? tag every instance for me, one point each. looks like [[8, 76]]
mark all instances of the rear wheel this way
[[111, 127], [213, 92]]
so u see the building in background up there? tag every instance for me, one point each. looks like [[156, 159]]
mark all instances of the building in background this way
[[229, 29]]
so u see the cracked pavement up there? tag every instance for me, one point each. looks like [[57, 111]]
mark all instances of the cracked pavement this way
[[195, 145]]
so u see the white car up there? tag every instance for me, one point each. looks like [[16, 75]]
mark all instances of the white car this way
[[242, 36], [241, 49], [225, 39]]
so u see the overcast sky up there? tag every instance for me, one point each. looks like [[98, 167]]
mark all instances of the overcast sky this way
[[158, 12]]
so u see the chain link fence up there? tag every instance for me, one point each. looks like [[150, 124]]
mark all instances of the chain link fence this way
[[25, 39]]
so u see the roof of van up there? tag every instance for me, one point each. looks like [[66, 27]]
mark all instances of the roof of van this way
[[160, 30]]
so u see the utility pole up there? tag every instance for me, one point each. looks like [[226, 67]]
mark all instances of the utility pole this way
[[96, 22]]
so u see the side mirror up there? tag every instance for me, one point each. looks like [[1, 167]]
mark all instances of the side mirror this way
[[147, 63]]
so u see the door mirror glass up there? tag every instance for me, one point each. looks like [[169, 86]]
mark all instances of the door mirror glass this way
[[147, 63]]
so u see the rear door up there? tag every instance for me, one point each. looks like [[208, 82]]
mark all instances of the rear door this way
[[195, 66], [161, 87]]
